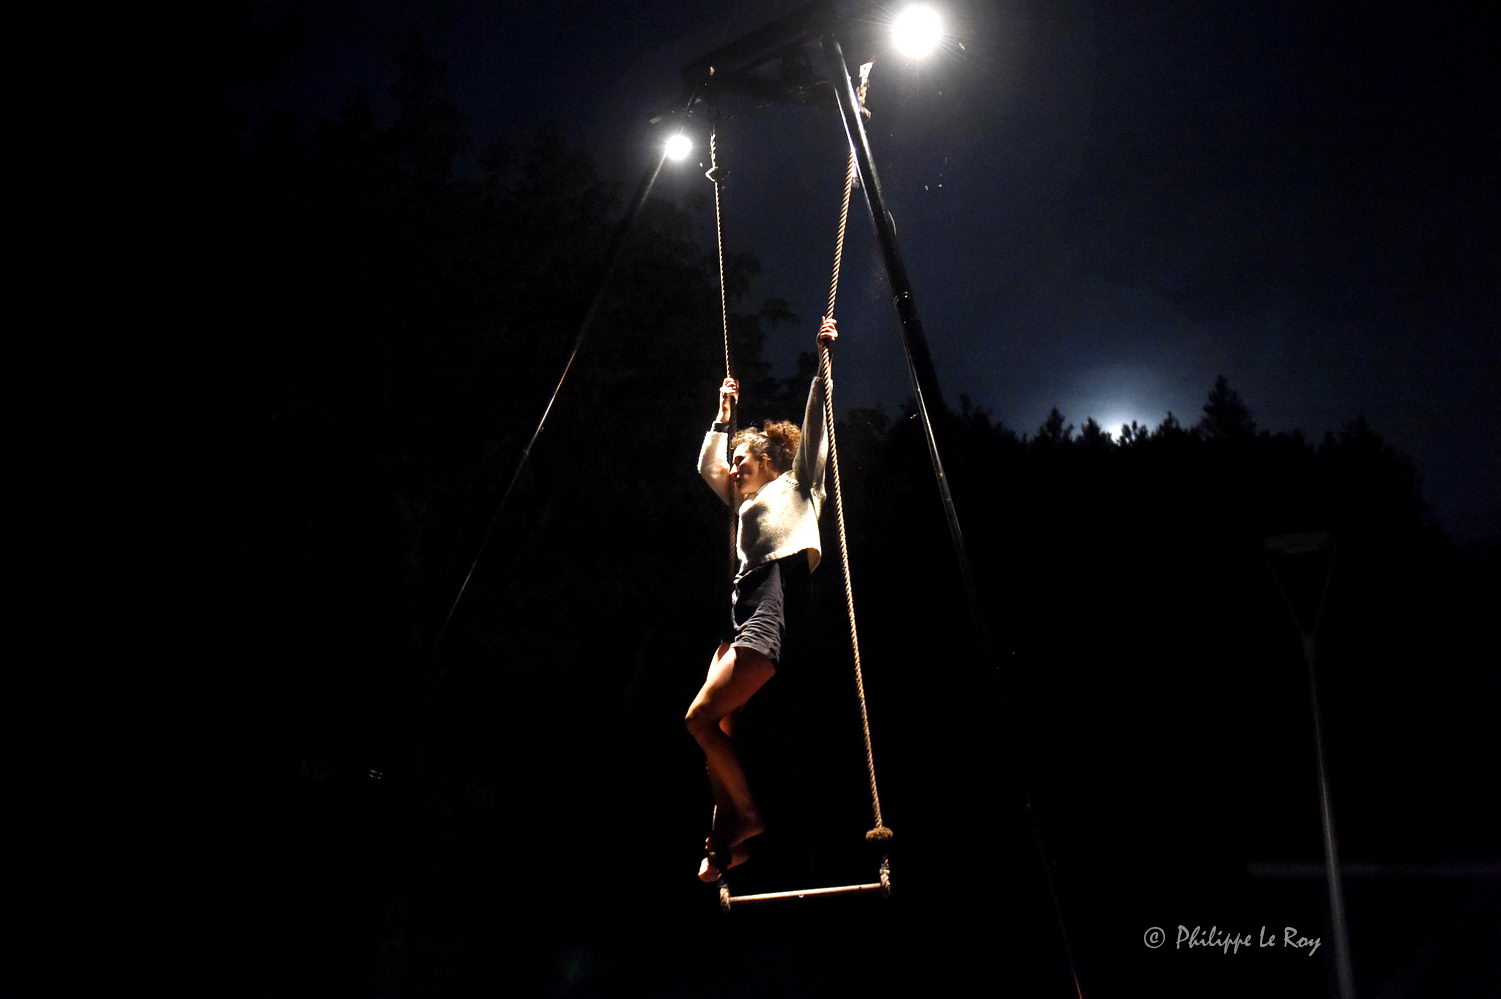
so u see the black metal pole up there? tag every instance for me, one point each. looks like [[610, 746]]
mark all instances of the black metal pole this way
[[919, 360], [1343, 968], [1305, 544]]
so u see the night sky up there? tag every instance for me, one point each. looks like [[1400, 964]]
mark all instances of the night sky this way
[[316, 347], [1103, 206]]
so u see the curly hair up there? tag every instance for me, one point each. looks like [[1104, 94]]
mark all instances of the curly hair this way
[[776, 439]]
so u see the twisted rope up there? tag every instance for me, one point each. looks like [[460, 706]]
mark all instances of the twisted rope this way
[[724, 300], [850, 173], [716, 178], [879, 832]]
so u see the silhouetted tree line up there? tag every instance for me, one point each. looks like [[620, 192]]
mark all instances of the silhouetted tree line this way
[[332, 339]]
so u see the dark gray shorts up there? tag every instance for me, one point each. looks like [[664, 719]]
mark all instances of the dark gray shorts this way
[[763, 601]]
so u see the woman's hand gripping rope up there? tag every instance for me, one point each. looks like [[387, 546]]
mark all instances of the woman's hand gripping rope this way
[[729, 394]]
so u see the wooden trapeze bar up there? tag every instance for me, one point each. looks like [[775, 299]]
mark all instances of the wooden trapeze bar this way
[[727, 901]]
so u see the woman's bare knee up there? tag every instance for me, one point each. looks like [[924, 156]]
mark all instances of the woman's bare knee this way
[[738, 674], [701, 720]]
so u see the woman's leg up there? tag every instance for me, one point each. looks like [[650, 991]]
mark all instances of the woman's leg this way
[[734, 676]]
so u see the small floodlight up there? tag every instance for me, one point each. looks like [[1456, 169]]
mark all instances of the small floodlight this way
[[1297, 544], [678, 147], [917, 31]]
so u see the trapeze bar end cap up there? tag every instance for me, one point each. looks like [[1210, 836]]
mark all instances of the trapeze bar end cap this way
[[724, 895]]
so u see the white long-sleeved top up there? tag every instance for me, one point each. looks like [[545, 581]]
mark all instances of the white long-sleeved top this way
[[781, 519]]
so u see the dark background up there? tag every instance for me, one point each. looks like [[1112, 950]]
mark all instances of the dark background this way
[[335, 256]]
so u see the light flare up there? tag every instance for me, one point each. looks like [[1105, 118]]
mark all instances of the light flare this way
[[917, 31]]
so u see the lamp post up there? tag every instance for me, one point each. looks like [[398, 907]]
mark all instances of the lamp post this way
[[1292, 546]]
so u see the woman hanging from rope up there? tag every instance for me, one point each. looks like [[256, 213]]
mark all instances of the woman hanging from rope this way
[[775, 477]]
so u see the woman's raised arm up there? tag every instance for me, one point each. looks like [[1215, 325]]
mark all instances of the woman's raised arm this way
[[712, 464], [813, 451]]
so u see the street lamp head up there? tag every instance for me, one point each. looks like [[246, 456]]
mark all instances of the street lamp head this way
[[1297, 544], [917, 31], [678, 147]]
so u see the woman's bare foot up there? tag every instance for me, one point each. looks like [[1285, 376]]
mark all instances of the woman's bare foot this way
[[709, 868]]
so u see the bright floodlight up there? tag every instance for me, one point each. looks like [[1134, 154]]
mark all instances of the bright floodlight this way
[[917, 31], [678, 147]]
